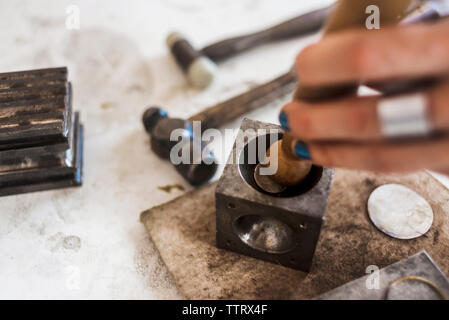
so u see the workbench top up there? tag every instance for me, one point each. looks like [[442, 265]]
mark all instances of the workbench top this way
[[88, 242]]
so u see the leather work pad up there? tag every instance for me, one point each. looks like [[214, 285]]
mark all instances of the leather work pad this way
[[183, 231]]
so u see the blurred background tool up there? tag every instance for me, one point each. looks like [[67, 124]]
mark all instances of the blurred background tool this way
[[40, 138], [199, 65], [160, 126]]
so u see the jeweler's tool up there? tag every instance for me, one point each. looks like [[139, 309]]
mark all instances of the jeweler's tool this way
[[41, 138], [160, 126], [200, 65]]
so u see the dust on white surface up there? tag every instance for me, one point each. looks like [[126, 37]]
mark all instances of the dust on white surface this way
[[88, 242], [399, 211]]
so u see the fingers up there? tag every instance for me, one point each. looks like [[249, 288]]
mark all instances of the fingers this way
[[382, 156], [350, 118], [390, 53], [346, 132], [355, 118]]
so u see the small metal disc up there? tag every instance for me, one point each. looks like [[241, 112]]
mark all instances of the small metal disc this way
[[399, 211], [266, 183]]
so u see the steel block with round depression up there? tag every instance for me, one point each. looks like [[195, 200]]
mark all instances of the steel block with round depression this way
[[282, 228]]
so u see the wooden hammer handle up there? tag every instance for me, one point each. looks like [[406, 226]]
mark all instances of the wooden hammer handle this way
[[298, 26], [225, 112]]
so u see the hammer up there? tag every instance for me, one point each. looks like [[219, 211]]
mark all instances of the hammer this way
[[198, 171], [199, 65]]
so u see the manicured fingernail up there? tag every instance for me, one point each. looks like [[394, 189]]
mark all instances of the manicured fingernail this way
[[283, 121], [302, 150]]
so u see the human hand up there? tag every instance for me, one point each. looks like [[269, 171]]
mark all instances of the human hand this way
[[347, 132]]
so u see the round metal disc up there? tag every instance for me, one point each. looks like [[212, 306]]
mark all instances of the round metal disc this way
[[399, 211], [266, 183]]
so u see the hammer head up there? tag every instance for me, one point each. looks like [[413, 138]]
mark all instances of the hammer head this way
[[200, 167], [200, 69]]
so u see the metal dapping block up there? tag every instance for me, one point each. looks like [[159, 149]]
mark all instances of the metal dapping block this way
[[282, 228], [40, 140]]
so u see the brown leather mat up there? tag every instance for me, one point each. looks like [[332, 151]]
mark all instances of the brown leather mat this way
[[183, 230]]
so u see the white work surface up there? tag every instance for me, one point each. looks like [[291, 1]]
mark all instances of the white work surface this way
[[88, 242]]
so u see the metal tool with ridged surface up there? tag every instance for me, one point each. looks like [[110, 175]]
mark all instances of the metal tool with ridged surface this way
[[40, 138]]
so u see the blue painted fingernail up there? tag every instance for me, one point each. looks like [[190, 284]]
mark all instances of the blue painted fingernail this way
[[302, 150], [283, 121]]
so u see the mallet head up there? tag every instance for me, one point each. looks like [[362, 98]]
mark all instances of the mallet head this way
[[200, 70], [201, 166]]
